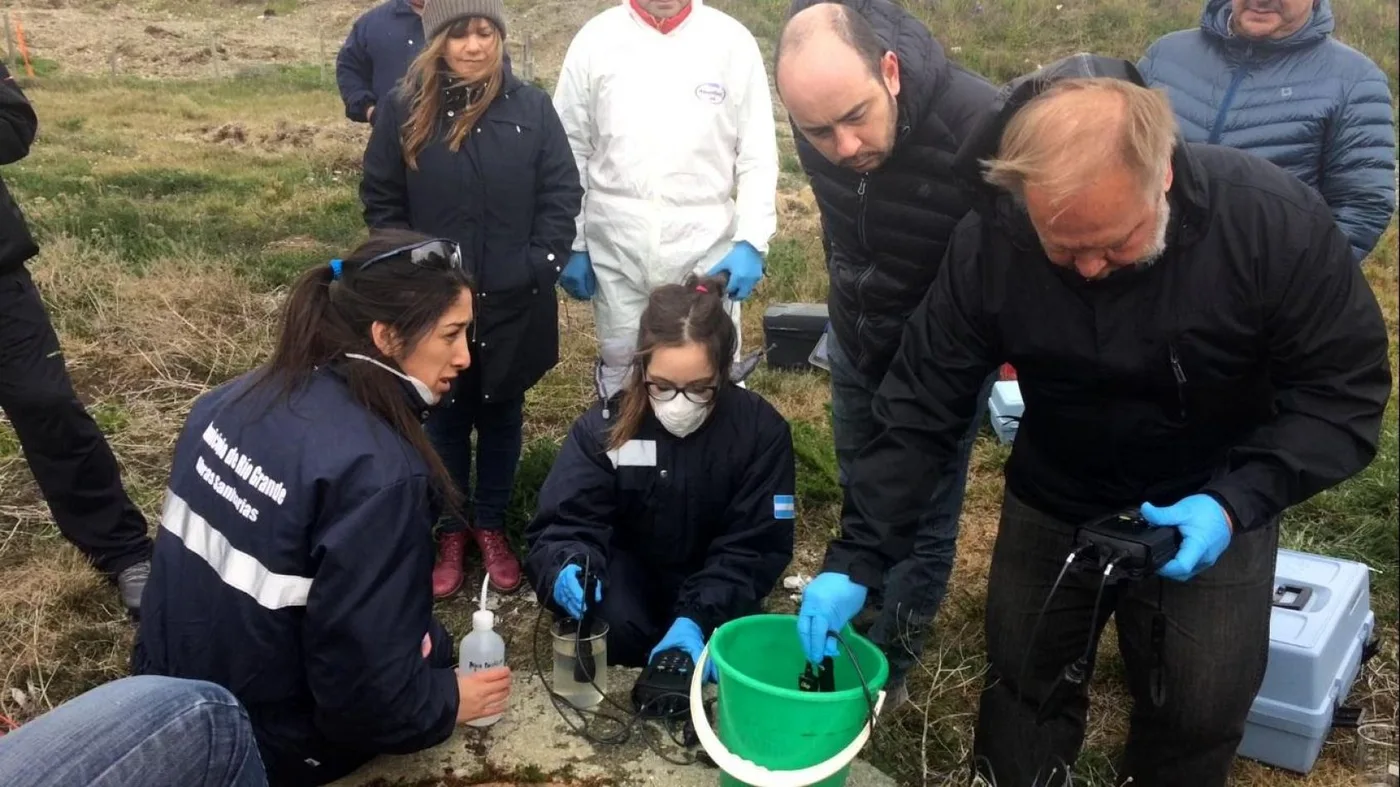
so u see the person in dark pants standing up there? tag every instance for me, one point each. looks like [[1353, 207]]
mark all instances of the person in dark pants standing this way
[[70, 459], [468, 151], [1193, 340], [878, 112]]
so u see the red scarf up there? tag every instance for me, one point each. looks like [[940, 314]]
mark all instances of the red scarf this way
[[664, 25]]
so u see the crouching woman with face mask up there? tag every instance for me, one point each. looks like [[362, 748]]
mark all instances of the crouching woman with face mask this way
[[294, 562], [677, 494]]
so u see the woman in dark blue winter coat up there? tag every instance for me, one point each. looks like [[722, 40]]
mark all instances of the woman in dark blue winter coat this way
[[467, 151], [677, 494], [295, 553]]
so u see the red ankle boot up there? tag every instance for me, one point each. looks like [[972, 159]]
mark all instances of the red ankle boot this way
[[501, 563], [447, 572]]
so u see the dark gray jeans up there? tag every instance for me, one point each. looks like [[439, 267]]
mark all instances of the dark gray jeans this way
[[1214, 650], [915, 586]]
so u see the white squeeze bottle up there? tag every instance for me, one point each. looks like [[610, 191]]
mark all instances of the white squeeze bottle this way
[[482, 648]]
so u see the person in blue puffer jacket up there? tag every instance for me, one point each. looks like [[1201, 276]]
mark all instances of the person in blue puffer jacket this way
[[1267, 76]]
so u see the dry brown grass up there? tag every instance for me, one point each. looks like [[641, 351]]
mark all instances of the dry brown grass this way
[[142, 340], [140, 349]]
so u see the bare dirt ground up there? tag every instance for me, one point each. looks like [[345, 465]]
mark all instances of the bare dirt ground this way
[[188, 39]]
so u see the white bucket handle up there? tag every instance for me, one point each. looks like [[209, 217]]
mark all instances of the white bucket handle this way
[[752, 773]]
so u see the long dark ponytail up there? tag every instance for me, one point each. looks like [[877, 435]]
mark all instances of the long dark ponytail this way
[[676, 314], [326, 317]]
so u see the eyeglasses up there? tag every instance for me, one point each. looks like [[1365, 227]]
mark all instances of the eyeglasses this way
[[665, 392], [422, 254]]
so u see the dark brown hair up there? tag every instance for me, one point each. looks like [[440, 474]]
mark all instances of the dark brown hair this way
[[676, 314], [324, 318], [425, 82]]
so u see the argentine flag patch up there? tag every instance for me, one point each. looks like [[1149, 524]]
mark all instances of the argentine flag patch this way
[[784, 507]]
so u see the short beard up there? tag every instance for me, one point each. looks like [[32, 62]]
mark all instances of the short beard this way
[[1159, 237]]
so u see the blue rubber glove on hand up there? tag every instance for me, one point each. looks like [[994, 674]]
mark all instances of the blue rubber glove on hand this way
[[686, 635], [828, 604], [744, 265], [568, 591], [1205, 532], [577, 278]]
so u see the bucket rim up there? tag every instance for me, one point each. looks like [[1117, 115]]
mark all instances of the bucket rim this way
[[875, 683]]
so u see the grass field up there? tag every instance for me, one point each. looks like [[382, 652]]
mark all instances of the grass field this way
[[172, 211]]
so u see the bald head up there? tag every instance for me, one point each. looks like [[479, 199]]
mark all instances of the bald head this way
[[829, 25], [839, 83]]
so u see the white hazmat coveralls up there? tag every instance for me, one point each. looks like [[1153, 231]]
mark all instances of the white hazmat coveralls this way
[[674, 138]]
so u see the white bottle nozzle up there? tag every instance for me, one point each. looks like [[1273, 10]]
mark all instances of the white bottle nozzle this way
[[484, 618]]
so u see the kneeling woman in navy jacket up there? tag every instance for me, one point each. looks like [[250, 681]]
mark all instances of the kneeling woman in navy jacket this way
[[677, 495], [294, 564]]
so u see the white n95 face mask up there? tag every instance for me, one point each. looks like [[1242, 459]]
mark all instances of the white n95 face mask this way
[[680, 416], [424, 392]]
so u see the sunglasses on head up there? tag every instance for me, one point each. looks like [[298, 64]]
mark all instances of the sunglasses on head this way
[[423, 254]]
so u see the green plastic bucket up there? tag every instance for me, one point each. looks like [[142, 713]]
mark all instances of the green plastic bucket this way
[[764, 720]]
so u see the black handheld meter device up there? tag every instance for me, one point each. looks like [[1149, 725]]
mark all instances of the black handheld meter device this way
[[663, 689], [1136, 548]]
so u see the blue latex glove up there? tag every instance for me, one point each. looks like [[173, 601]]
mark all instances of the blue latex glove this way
[[1205, 532], [828, 604], [577, 278], [744, 265], [685, 634], [568, 591]]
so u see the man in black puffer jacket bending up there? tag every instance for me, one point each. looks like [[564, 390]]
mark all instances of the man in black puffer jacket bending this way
[[878, 113]]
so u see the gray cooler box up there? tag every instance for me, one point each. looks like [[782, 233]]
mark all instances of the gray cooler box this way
[[1004, 408], [791, 332], [1319, 635]]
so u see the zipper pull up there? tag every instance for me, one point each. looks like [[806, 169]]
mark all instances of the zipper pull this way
[[1180, 375], [860, 190], [1176, 366]]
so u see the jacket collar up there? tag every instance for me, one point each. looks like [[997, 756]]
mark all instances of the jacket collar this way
[[337, 369], [402, 8], [1215, 23], [458, 95], [662, 26], [1190, 210]]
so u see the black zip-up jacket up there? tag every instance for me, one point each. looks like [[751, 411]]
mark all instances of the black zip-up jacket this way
[[18, 125], [885, 232], [1248, 363], [710, 515]]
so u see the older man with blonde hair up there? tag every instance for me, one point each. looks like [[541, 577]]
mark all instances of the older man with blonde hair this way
[[1193, 343]]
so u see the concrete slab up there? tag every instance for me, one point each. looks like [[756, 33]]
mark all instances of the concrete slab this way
[[533, 745]]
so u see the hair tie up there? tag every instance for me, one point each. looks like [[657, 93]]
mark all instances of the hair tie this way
[[335, 269], [700, 288]]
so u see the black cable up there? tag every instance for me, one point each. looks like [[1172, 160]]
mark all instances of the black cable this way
[[1040, 618], [1094, 621], [626, 724], [860, 675]]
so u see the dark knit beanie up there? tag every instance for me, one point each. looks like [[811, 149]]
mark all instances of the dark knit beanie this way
[[438, 15]]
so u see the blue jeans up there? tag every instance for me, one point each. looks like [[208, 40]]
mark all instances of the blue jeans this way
[[145, 730], [915, 586], [498, 428]]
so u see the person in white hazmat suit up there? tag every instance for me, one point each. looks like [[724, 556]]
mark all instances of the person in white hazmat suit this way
[[667, 107]]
